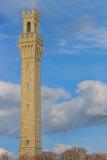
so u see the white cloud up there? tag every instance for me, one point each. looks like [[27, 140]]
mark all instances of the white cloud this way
[[88, 108], [62, 42], [75, 50], [9, 108], [97, 37], [4, 154], [59, 148], [60, 112], [90, 34], [95, 94], [9, 91], [6, 36], [82, 36], [50, 97]]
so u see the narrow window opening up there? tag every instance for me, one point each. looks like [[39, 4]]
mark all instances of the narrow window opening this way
[[28, 65], [27, 106], [38, 142], [28, 86], [28, 27], [27, 142]]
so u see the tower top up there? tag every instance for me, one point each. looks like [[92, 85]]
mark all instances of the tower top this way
[[31, 21], [30, 36]]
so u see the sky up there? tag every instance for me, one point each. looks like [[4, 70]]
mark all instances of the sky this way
[[74, 79]]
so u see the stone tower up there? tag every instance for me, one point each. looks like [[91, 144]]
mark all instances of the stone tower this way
[[31, 48]]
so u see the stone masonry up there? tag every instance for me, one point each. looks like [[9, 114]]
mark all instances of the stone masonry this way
[[31, 49]]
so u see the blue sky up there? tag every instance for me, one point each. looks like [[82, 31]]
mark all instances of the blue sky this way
[[74, 60]]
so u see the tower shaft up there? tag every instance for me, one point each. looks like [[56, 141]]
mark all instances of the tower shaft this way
[[31, 47]]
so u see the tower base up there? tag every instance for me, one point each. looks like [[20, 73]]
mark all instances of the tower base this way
[[30, 157]]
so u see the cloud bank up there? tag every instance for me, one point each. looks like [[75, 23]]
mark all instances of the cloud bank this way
[[60, 111]]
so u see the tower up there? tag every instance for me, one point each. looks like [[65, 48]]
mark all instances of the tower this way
[[31, 48]]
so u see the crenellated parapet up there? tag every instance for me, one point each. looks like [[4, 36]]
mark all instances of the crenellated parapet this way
[[27, 13]]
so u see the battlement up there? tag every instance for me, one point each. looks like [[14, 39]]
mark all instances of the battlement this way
[[28, 13]]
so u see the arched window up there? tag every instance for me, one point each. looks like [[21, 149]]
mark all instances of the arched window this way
[[27, 107], [28, 86], [28, 27], [27, 142]]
